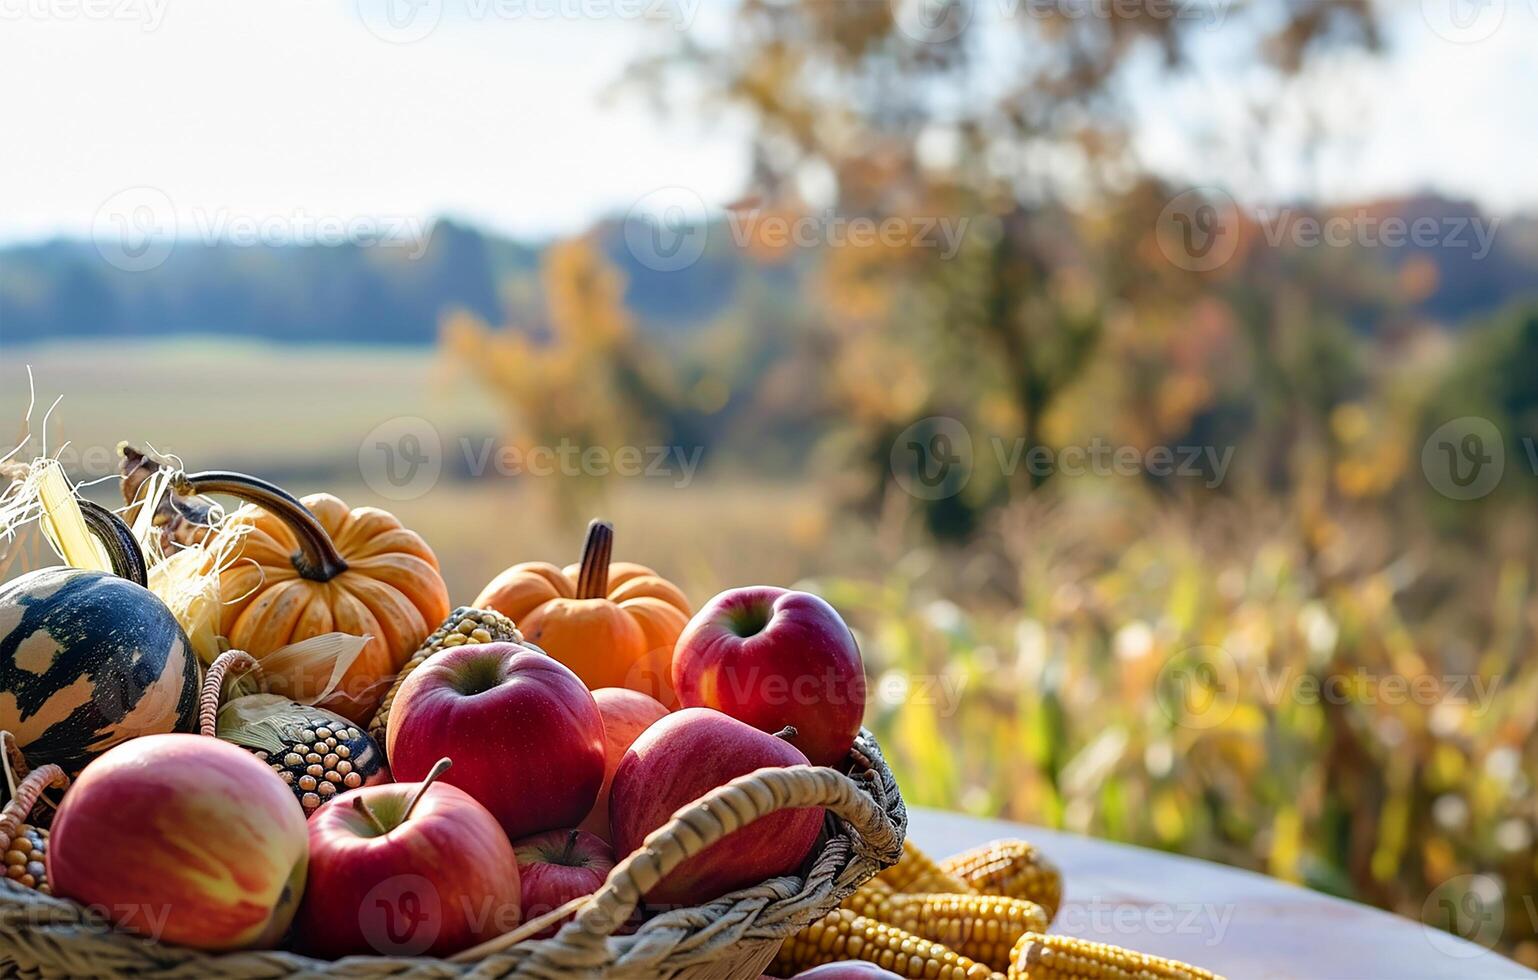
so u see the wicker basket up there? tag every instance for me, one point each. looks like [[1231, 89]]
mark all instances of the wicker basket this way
[[734, 936]]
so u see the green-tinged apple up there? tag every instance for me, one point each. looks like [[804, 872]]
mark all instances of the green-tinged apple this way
[[184, 839], [626, 714], [407, 869], [557, 866], [524, 733], [772, 658], [680, 759]]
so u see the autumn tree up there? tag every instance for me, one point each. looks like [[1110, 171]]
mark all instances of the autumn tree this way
[[1012, 119]]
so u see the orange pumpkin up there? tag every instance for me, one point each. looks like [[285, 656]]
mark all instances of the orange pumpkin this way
[[613, 623], [316, 566]]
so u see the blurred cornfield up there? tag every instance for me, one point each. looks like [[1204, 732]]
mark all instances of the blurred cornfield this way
[[1205, 688]]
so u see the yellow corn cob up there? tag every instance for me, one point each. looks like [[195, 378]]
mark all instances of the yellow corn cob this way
[[917, 873], [1010, 867], [843, 935], [980, 927], [1040, 957]]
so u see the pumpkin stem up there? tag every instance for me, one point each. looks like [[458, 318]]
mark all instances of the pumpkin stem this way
[[597, 550], [439, 768], [317, 558], [122, 547], [213, 686]]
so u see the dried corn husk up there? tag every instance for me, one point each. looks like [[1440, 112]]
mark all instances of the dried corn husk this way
[[310, 670], [185, 574]]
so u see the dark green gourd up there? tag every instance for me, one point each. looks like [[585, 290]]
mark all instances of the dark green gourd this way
[[90, 659]]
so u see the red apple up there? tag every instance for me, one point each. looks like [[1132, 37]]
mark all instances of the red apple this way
[[524, 733], [407, 869], [558, 866], [680, 759], [772, 658], [847, 970], [626, 714], [185, 839]]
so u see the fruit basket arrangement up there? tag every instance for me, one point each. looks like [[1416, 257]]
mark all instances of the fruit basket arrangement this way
[[261, 743]]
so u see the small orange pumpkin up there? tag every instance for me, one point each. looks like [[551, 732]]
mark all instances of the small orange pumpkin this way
[[613, 623], [315, 566]]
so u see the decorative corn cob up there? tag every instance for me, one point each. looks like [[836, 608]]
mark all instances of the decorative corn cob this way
[[843, 935], [918, 873], [464, 625], [1010, 867], [1041, 957], [981, 927]]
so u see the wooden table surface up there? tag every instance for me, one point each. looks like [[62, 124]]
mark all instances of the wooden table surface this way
[[1236, 923]]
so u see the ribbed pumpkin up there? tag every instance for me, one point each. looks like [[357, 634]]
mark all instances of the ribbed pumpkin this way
[[613, 623], [315, 566], [89, 659]]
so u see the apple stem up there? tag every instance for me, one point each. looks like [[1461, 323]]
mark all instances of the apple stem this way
[[571, 845], [597, 551], [439, 768], [787, 733], [362, 808]]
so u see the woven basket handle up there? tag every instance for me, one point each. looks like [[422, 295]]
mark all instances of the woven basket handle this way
[[213, 686], [20, 806], [694, 828], [720, 812]]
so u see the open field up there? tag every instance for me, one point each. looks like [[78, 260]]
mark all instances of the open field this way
[[299, 416]]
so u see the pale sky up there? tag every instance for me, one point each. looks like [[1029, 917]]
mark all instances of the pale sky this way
[[316, 108]]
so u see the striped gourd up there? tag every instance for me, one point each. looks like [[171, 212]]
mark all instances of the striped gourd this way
[[89, 659]]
